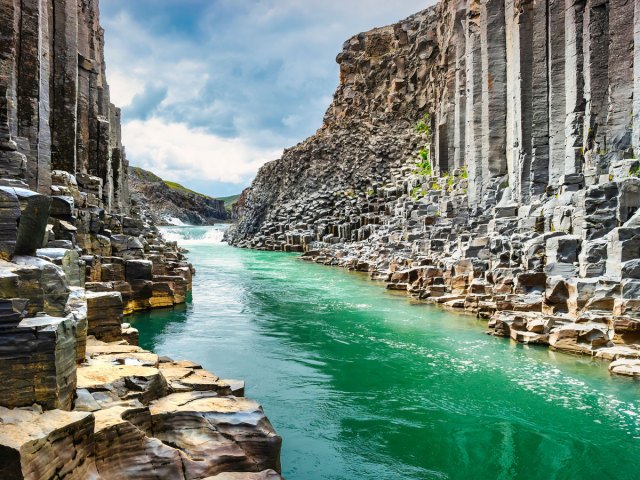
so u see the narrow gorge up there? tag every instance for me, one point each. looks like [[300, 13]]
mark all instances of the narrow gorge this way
[[483, 156], [80, 400], [479, 162]]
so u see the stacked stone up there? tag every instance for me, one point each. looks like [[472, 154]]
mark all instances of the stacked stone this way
[[74, 405], [78, 401], [529, 215], [55, 112]]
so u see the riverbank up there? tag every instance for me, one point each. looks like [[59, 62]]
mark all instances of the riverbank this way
[[587, 329], [80, 398], [440, 171], [362, 382]]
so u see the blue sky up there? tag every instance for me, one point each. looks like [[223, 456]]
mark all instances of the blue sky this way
[[213, 89]]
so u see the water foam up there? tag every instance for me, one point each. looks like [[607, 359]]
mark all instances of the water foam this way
[[194, 235], [175, 221]]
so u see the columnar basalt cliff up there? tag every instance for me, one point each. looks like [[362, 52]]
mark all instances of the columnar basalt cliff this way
[[79, 399], [481, 155]]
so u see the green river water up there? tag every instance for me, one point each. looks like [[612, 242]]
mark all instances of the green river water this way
[[364, 384]]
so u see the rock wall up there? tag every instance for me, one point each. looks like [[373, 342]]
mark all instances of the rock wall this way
[[481, 155], [55, 112], [170, 202], [79, 399]]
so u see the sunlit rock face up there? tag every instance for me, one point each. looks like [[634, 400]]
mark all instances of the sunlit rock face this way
[[518, 192], [138, 416]]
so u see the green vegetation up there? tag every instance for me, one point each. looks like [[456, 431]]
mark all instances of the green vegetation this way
[[418, 192], [145, 175], [150, 177], [177, 186], [423, 168], [350, 194], [423, 164], [230, 200], [424, 125]]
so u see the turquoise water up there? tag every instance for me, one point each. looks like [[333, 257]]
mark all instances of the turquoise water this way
[[363, 384]]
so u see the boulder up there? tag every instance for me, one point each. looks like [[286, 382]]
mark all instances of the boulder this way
[[232, 433], [578, 338], [34, 215], [38, 363], [563, 249], [69, 260], [49, 445], [138, 270], [43, 283], [104, 315], [121, 384], [625, 367], [623, 246], [122, 450]]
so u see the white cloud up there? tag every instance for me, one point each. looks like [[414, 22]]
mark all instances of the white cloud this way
[[176, 152], [245, 78], [123, 88]]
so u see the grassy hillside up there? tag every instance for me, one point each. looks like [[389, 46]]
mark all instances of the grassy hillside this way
[[182, 188], [230, 200], [147, 176]]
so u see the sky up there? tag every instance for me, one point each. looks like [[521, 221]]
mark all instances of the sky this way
[[212, 89]]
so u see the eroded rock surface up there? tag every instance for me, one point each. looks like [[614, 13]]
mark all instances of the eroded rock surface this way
[[481, 156], [77, 254], [171, 203]]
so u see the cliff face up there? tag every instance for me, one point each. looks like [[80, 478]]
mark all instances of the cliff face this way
[[515, 196], [79, 399], [168, 202], [55, 112], [367, 131]]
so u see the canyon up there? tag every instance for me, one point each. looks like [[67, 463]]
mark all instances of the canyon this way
[[77, 254], [482, 156]]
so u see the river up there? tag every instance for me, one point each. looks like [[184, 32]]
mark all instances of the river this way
[[364, 384]]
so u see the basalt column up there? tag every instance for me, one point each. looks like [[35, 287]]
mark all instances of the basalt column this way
[[636, 77], [460, 94], [519, 32], [64, 84], [32, 93], [448, 116], [527, 101], [119, 164], [539, 168], [12, 163], [596, 52], [474, 128], [621, 53], [574, 86], [557, 91], [494, 83]]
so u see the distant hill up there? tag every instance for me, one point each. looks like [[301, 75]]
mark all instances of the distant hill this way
[[230, 200], [174, 204]]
